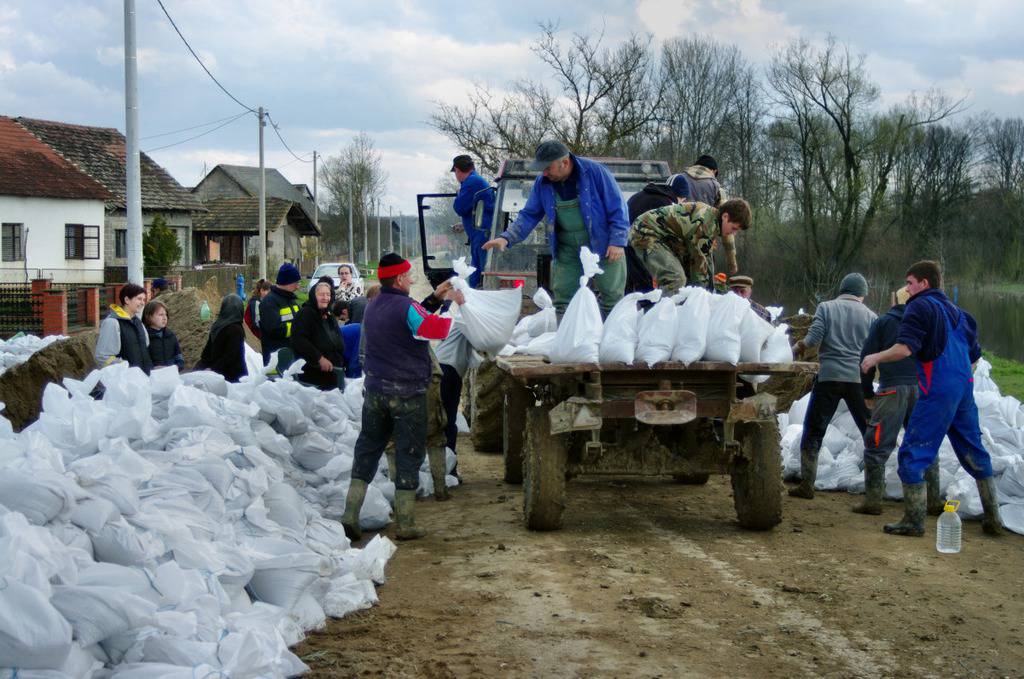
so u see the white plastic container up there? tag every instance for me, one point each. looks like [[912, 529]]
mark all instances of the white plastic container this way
[[948, 529]]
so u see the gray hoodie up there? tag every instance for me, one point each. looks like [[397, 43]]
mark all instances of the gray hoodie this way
[[840, 326]]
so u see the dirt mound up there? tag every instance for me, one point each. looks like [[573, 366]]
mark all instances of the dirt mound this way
[[789, 388], [21, 387], [183, 309]]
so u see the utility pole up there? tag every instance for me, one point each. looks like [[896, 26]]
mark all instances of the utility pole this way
[[366, 241], [391, 228], [401, 234], [351, 241], [133, 166], [378, 229], [316, 212], [263, 204]]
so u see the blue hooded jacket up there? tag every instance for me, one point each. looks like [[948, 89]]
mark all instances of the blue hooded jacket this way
[[601, 203], [473, 190]]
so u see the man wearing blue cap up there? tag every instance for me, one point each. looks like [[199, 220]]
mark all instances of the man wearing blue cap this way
[[277, 311], [581, 199]]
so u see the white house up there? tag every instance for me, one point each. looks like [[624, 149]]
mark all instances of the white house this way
[[51, 213]]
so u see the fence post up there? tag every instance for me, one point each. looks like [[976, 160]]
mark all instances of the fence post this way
[[92, 306], [40, 284], [55, 313]]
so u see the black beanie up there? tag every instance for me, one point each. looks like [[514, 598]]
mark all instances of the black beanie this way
[[708, 162], [390, 259]]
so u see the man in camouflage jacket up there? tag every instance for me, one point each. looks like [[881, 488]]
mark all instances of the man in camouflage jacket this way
[[675, 242]]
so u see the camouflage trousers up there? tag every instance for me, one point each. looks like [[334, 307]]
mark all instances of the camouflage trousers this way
[[667, 269]]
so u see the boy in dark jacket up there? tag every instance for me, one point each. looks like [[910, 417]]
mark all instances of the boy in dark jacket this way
[[317, 340], [164, 349]]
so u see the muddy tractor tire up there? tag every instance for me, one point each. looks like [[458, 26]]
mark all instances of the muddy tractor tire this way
[[513, 433], [757, 475], [488, 399], [691, 479], [544, 462]]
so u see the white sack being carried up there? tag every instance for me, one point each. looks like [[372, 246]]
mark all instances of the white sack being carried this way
[[691, 324], [489, 316], [657, 331], [724, 328], [621, 329], [578, 339]]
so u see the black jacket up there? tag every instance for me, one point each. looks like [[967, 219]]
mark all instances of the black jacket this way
[[277, 314], [650, 197], [225, 353], [164, 349], [315, 334], [133, 345], [881, 336]]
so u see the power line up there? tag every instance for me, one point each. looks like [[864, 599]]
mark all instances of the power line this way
[[187, 129], [200, 61], [278, 133], [201, 134]]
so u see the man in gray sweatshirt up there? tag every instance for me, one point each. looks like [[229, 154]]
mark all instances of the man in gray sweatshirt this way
[[839, 329]]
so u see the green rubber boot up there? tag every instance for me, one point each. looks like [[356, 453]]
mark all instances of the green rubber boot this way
[[808, 473], [436, 456], [405, 501], [353, 503], [874, 490], [990, 523], [931, 479], [912, 522]]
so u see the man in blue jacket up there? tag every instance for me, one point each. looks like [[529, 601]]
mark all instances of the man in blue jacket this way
[[580, 198], [944, 339], [473, 191]]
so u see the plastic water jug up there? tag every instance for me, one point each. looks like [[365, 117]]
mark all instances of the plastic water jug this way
[[948, 529], [204, 311]]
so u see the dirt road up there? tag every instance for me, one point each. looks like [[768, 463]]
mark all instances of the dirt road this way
[[653, 579]]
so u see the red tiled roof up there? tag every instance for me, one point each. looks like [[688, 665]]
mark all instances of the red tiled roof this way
[[28, 167]]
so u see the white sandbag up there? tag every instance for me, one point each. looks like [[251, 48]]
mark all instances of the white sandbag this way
[[40, 496], [1013, 517], [691, 324], [539, 346], [284, 571], [92, 513], [312, 451], [163, 671], [621, 328], [33, 634], [657, 331], [578, 338], [369, 562], [347, 594], [285, 507], [777, 348], [545, 320], [118, 542], [754, 332], [723, 343], [96, 613], [489, 316]]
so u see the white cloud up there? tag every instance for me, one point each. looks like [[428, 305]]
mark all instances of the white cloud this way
[[666, 18], [1003, 75]]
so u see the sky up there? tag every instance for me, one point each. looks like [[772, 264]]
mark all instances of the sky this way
[[328, 69]]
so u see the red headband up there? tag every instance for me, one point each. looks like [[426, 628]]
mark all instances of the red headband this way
[[394, 269]]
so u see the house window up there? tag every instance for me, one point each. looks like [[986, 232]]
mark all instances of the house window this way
[[81, 241], [120, 243], [12, 246]]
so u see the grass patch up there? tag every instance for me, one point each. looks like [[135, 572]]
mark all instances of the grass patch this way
[[1008, 374]]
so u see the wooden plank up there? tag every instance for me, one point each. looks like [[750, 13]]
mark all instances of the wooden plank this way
[[536, 366]]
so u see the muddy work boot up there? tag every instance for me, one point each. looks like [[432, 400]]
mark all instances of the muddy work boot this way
[[353, 503], [912, 522], [436, 457], [935, 499], [874, 490], [990, 522], [405, 501], [808, 473]]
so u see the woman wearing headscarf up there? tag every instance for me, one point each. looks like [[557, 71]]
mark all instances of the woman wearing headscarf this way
[[224, 352], [316, 338]]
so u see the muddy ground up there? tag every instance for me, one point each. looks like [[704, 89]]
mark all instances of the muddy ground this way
[[650, 579]]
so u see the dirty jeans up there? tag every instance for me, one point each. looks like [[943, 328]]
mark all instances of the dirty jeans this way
[[384, 415]]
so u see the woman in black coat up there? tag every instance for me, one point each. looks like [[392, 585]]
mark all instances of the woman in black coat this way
[[224, 352], [316, 338]]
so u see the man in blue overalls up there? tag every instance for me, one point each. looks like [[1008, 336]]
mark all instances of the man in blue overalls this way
[[473, 189], [944, 340]]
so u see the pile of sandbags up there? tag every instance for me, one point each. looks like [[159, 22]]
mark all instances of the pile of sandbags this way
[[18, 349], [841, 460], [180, 525]]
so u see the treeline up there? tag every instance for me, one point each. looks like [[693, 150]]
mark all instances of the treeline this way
[[837, 180]]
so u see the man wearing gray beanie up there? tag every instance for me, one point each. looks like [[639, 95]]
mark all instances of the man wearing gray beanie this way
[[839, 329]]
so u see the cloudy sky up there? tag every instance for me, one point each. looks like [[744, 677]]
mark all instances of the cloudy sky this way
[[326, 69]]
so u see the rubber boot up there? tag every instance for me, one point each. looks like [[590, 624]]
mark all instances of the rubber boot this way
[[912, 522], [874, 489], [931, 479], [353, 503], [436, 456], [405, 501], [808, 473], [990, 523]]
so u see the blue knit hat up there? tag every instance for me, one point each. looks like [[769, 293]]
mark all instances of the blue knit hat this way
[[288, 274]]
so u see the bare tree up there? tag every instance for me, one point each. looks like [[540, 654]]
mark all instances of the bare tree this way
[[357, 174], [1002, 150]]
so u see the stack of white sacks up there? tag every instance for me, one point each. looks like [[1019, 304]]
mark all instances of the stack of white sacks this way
[[17, 350], [180, 526], [841, 460]]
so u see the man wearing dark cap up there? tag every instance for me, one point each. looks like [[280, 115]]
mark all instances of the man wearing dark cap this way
[[158, 286], [580, 198], [399, 369], [744, 287], [475, 196], [702, 186], [277, 312]]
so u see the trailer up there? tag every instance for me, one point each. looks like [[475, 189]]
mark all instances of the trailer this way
[[672, 419]]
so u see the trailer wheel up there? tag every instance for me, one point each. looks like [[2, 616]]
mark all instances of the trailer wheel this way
[[544, 462], [513, 423], [691, 479], [488, 399], [757, 475]]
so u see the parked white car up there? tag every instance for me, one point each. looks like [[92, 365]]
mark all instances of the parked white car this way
[[331, 269]]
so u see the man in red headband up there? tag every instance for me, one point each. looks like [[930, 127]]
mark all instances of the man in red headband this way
[[398, 368]]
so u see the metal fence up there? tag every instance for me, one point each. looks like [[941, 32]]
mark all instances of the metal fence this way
[[20, 311], [78, 306]]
